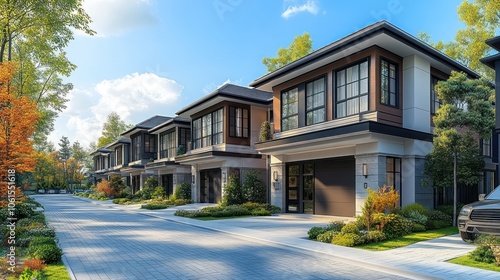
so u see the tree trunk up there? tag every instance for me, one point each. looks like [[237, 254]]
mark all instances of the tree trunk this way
[[455, 189]]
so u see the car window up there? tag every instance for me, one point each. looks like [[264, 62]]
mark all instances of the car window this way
[[495, 194]]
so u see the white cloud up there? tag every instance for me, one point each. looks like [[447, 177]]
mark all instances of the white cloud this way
[[135, 97], [294, 7], [115, 17]]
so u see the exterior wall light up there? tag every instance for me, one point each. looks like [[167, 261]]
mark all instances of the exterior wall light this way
[[365, 170], [224, 177], [275, 175]]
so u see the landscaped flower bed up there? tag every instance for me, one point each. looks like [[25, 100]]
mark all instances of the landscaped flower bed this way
[[245, 209]]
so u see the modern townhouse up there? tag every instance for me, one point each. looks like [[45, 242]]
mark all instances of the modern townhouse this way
[[142, 151], [101, 158], [353, 115], [173, 137], [119, 158], [224, 127]]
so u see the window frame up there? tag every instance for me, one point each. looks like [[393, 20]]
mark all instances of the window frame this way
[[396, 175], [396, 82], [119, 155], [434, 98], [346, 83], [168, 144], [136, 147], [239, 127], [317, 108], [296, 114], [150, 143], [208, 130]]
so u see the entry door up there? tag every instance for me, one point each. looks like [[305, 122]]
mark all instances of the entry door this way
[[210, 187], [167, 184], [300, 188]]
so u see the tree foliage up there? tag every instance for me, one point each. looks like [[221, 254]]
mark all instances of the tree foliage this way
[[466, 115], [481, 19], [35, 33], [111, 130], [300, 47], [17, 116]]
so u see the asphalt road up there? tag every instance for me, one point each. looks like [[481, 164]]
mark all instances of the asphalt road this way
[[105, 243]]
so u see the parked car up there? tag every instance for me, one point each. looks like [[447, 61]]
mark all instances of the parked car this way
[[63, 191], [51, 191], [480, 217], [41, 191]]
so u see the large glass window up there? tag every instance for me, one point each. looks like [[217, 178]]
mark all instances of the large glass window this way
[[168, 144], [238, 122], [388, 83], [315, 102], [435, 102], [150, 143], [290, 109], [352, 90], [487, 147], [119, 155], [393, 174], [184, 138], [208, 130], [136, 148]]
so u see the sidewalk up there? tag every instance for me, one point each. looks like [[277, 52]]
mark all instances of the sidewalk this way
[[423, 260]]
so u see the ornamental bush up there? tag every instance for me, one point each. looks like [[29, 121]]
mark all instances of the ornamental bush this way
[[253, 188], [315, 231], [350, 228], [372, 236], [347, 239], [183, 191], [337, 226], [232, 192], [48, 253], [393, 225], [327, 236]]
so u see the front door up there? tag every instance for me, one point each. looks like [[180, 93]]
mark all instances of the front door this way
[[167, 184], [300, 188], [210, 185]]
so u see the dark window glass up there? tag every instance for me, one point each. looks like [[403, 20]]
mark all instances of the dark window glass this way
[[435, 102], [315, 101], [351, 91], [238, 122], [388, 83], [290, 109]]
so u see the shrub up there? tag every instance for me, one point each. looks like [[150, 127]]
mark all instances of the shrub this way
[[120, 200], [386, 199], [483, 253], [48, 253], [232, 192], [253, 188], [23, 210], [260, 212], [45, 231], [116, 183], [315, 231], [372, 236], [413, 207], [350, 228], [159, 193], [183, 191], [368, 209], [393, 225], [416, 217], [437, 219], [34, 264], [337, 226], [265, 131], [29, 274], [104, 188], [327, 236], [35, 219], [39, 240], [273, 209], [346, 239], [154, 206], [448, 209], [417, 227]]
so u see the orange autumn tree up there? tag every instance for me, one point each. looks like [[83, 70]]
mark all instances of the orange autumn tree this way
[[18, 118]]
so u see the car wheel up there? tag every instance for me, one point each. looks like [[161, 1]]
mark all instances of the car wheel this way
[[467, 236]]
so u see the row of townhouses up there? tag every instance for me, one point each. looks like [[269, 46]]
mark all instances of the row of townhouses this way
[[353, 115]]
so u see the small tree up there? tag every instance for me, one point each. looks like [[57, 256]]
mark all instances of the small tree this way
[[104, 187], [232, 192], [369, 209], [117, 184], [253, 188], [265, 132]]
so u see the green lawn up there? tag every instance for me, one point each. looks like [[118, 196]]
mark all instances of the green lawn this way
[[57, 272], [468, 261], [409, 239]]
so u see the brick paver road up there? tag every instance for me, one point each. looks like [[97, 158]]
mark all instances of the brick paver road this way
[[104, 243]]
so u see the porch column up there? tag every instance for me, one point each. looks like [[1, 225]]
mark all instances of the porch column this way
[[277, 182]]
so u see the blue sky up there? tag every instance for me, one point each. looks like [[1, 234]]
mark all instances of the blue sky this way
[[153, 57]]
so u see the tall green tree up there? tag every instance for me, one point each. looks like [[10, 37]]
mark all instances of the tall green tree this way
[[112, 129], [300, 47], [35, 33], [465, 116], [64, 148], [481, 19]]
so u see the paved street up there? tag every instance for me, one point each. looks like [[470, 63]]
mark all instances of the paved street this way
[[106, 243]]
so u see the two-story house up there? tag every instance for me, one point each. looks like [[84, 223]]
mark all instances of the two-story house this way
[[142, 150], [224, 127], [119, 156], [173, 137], [101, 158], [353, 115]]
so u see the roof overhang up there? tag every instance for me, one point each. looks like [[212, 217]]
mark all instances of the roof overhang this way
[[382, 34], [197, 107], [172, 123]]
